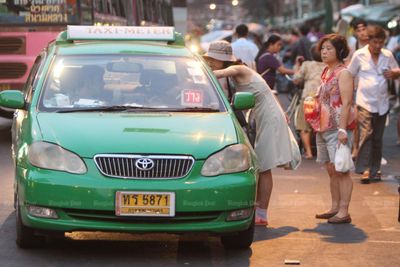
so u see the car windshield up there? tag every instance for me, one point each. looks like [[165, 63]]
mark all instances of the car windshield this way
[[117, 83]]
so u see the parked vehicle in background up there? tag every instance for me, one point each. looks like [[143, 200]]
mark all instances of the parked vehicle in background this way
[[213, 36], [26, 27], [256, 32], [385, 14]]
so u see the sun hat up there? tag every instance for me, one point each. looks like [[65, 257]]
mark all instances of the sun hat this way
[[220, 50]]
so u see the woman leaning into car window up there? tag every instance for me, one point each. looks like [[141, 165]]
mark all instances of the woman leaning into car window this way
[[272, 145]]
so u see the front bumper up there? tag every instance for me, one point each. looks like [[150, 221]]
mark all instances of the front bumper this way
[[87, 202]]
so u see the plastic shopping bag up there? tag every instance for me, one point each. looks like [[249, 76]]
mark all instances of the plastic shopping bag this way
[[343, 160]]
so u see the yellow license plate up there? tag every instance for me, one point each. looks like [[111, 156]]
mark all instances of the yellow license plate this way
[[4, 87], [150, 204]]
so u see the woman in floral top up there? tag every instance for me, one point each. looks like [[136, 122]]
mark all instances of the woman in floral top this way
[[336, 98]]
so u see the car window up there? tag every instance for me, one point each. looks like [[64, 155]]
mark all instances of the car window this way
[[32, 78], [160, 82]]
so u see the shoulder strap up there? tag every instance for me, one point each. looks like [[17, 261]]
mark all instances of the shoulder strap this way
[[268, 69], [263, 55], [265, 72]]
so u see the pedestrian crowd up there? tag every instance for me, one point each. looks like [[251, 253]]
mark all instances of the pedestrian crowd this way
[[344, 102]]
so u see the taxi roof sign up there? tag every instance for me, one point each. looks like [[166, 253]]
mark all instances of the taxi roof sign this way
[[138, 33]]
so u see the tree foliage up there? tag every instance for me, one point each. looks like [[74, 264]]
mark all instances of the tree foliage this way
[[259, 10]]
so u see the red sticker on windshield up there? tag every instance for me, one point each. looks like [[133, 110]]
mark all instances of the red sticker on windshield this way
[[192, 97]]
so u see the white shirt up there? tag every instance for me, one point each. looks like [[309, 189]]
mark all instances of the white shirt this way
[[354, 45], [393, 43], [351, 42], [372, 88], [246, 51]]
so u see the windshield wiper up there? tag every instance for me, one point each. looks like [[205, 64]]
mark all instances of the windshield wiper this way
[[128, 108], [196, 109], [107, 108]]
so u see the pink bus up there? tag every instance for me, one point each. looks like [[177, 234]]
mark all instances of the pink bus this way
[[27, 26]]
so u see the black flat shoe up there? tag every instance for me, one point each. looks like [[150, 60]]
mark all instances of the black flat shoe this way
[[365, 181], [338, 220], [326, 215], [377, 177]]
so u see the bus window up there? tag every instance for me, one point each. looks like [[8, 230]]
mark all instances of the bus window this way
[[107, 12], [27, 26], [86, 12]]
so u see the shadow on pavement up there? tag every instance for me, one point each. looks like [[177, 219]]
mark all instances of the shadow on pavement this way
[[339, 233], [267, 233], [207, 253], [121, 249]]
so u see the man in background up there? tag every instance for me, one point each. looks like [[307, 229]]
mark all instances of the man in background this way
[[302, 46], [360, 33], [358, 41], [368, 65], [244, 49]]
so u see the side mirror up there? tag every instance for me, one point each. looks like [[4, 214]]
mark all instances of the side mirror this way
[[243, 100], [12, 99]]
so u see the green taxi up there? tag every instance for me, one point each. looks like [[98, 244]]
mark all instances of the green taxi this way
[[124, 129]]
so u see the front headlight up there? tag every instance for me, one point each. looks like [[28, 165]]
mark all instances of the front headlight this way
[[50, 156], [235, 158]]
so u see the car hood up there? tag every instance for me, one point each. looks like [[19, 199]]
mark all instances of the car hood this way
[[88, 134]]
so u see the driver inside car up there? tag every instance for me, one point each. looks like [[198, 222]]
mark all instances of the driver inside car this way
[[158, 88], [91, 86]]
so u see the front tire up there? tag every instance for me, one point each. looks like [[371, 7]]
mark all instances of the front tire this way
[[26, 237], [239, 240]]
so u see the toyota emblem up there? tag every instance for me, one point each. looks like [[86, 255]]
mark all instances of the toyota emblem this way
[[144, 164]]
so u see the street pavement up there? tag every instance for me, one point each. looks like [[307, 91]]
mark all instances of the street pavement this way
[[372, 239]]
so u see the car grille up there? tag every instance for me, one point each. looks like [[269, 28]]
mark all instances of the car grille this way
[[12, 45], [138, 166]]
